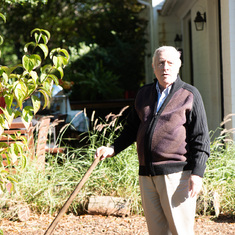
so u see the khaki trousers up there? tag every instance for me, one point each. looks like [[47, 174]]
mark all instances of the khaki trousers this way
[[167, 207]]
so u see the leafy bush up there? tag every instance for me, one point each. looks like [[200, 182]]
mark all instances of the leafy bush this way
[[24, 82], [93, 78]]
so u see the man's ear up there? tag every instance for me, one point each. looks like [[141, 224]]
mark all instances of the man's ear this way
[[180, 63]]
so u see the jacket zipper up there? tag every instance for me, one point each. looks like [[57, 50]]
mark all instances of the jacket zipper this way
[[148, 144], [150, 131]]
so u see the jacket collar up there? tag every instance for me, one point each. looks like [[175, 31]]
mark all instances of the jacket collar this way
[[175, 86]]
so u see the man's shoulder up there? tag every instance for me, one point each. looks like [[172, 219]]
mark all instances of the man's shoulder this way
[[147, 87], [191, 89], [197, 98]]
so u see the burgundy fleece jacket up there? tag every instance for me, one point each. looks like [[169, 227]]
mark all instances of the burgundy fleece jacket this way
[[172, 140]]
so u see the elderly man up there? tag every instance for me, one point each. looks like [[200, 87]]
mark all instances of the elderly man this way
[[169, 124]]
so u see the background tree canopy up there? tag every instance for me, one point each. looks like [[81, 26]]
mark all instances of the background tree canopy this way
[[105, 40]]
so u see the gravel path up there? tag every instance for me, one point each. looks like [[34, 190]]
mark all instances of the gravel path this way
[[96, 224]]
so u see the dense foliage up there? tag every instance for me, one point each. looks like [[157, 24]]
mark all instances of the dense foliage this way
[[113, 30], [30, 80]]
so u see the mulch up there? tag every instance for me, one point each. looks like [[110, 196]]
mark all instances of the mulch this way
[[98, 224]]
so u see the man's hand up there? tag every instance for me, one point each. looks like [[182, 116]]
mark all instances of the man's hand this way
[[104, 152], [195, 185]]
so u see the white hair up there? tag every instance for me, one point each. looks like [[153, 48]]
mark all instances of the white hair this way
[[166, 48]]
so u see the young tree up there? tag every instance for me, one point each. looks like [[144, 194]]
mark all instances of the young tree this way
[[23, 81]]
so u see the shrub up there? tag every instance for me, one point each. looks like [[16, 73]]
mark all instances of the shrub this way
[[36, 75]]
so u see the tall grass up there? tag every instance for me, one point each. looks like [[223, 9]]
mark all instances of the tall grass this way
[[46, 191], [219, 181]]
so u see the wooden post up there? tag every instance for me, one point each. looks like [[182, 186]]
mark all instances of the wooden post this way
[[72, 196]]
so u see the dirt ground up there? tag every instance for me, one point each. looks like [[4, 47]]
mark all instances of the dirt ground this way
[[97, 224]]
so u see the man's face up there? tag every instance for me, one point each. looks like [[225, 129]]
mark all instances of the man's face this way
[[166, 68]]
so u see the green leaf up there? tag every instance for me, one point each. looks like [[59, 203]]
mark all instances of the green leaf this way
[[43, 77], [36, 103], [2, 69], [34, 30], [28, 64], [26, 47], [4, 78], [60, 57], [44, 49], [46, 69], [31, 62], [47, 33], [59, 51], [34, 76], [9, 114], [3, 123], [1, 130], [17, 113], [8, 158], [65, 52], [3, 17], [13, 152], [9, 70], [60, 61], [8, 99], [32, 86], [45, 39], [23, 161], [1, 40], [46, 98], [27, 115], [37, 37], [20, 92], [47, 86], [46, 89], [61, 71], [55, 62], [44, 34], [54, 78]]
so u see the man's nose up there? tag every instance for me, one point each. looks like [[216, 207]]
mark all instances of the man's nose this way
[[165, 65]]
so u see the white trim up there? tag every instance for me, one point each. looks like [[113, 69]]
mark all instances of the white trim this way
[[167, 7]]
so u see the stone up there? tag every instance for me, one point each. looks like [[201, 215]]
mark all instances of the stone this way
[[108, 205]]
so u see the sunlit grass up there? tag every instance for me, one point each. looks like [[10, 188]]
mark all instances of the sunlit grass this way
[[46, 191]]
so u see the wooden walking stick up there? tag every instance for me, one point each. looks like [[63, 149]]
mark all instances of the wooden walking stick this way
[[72, 196]]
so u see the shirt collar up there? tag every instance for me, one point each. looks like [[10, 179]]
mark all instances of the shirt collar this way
[[166, 91]]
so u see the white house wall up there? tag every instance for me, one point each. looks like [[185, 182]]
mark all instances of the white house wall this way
[[168, 27], [228, 47], [206, 60]]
